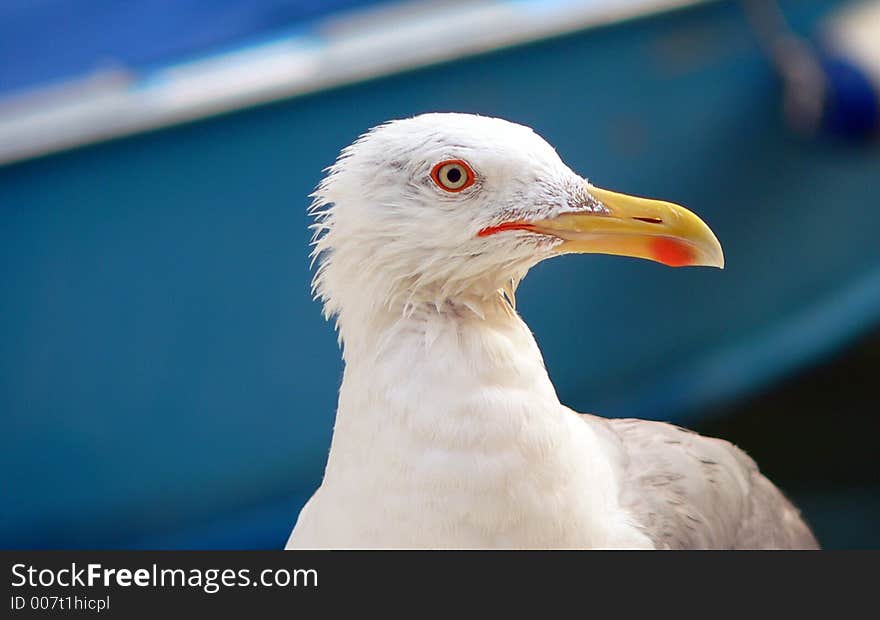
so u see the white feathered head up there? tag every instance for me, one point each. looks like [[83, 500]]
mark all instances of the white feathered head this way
[[444, 208]]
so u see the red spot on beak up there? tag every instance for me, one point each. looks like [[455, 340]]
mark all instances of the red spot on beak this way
[[491, 230], [671, 252]]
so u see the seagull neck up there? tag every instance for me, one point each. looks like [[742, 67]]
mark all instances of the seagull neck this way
[[438, 360]]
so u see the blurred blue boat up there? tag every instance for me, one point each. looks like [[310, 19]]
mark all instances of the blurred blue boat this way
[[166, 379]]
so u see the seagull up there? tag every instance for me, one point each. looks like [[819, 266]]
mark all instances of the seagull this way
[[449, 433]]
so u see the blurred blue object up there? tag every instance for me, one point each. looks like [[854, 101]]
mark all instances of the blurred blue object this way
[[852, 108], [167, 381], [850, 57], [52, 40], [833, 84]]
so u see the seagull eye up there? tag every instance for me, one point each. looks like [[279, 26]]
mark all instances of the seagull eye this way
[[453, 175]]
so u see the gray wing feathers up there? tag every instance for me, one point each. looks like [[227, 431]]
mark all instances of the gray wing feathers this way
[[687, 491], [772, 522]]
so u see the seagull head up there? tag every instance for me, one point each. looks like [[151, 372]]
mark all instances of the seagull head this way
[[445, 208]]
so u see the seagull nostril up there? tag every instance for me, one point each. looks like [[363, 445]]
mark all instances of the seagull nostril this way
[[649, 220]]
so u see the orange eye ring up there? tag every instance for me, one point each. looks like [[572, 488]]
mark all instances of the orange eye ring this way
[[453, 175]]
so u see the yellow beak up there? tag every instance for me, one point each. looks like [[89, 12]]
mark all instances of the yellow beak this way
[[637, 227]]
